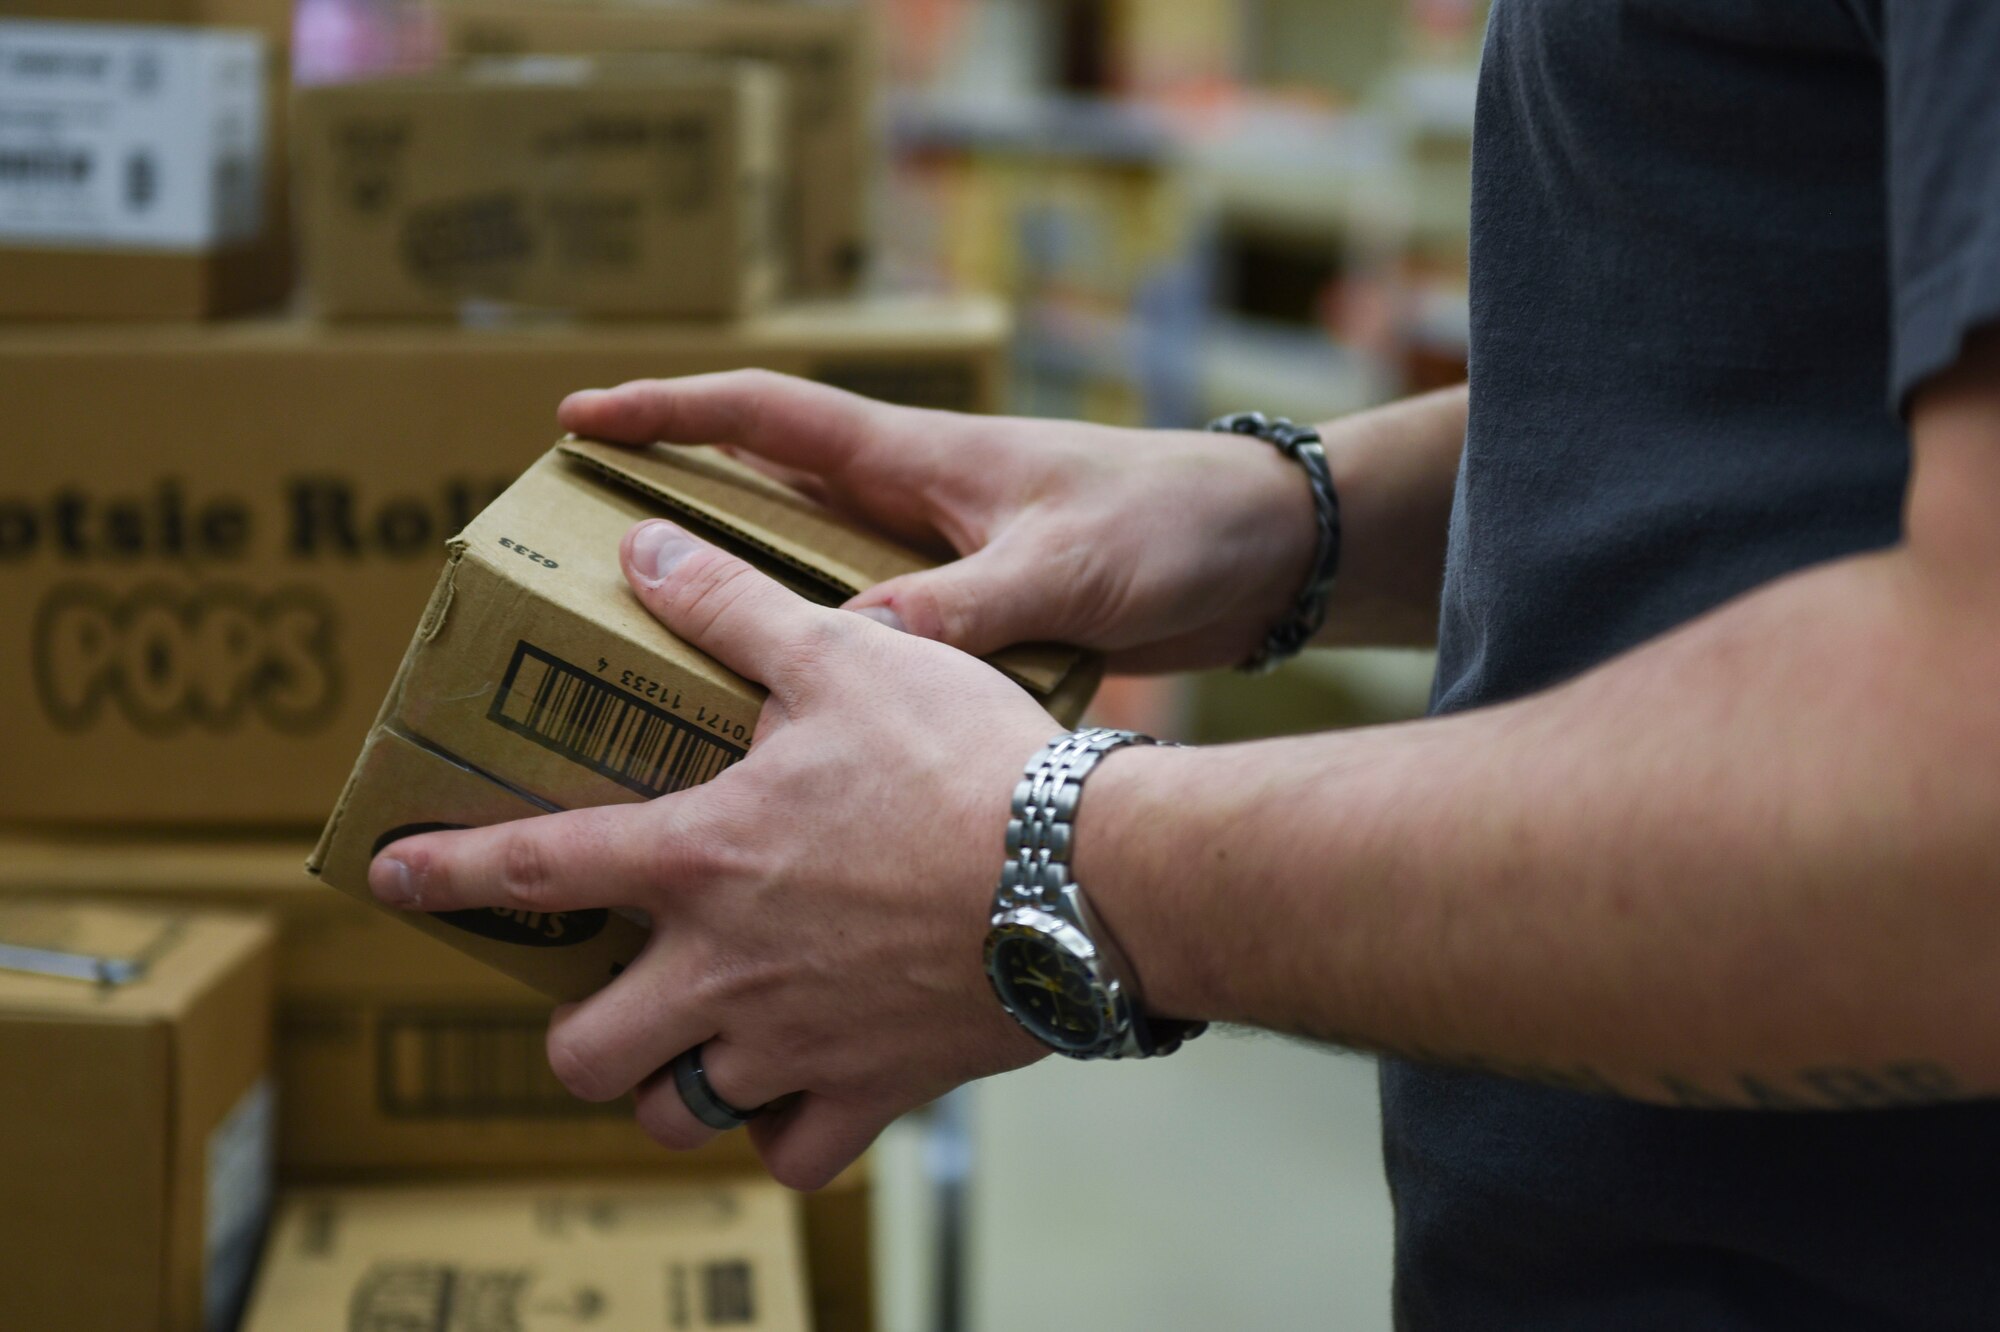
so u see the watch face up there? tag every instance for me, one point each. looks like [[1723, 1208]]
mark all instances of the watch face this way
[[1050, 990]]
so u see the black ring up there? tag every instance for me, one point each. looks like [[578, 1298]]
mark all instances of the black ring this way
[[700, 1098]]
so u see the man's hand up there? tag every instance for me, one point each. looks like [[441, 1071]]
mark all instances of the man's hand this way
[[1167, 549], [818, 910]]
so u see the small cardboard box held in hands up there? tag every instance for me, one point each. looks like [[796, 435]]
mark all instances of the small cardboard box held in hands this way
[[538, 682]]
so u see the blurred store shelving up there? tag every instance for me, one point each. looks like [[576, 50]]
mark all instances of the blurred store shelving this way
[[1194, 206]]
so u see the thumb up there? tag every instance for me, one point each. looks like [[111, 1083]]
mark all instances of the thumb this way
[[743, 618], [991, 599]]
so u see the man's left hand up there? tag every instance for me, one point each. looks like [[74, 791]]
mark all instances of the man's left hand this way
[[818, 910]]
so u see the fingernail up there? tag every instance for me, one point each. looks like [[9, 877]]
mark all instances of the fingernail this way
[[389, 879], [883, 615], [659, 546]]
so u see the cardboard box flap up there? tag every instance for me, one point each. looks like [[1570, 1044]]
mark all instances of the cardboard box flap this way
[[715, 488], [827, 548]]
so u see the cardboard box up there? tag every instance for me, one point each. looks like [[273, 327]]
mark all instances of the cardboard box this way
[[611, 185], [537, 681], [140, 171], [214, 540], [395, 1089], [135, 1128], [534, 1257], [401, 1092], [394, 1094], [401, 787], [823, 50]]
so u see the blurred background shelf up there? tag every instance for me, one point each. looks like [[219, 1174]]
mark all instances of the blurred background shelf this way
[[1193, 207]]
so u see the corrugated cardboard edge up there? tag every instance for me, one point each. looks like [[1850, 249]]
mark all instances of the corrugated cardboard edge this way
[[436, 611], [1051, 672], [607, 462]]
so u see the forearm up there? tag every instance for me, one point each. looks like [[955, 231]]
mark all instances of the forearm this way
[[1750, 863], [1394, 467]]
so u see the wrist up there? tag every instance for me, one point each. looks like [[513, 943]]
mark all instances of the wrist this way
[[1138, 882], [1345, 440], [1286, 530]]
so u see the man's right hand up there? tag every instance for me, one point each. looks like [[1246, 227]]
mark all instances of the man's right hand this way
[[1168, 550]]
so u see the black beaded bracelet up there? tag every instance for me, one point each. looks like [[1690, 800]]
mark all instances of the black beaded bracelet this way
[[1307, 616]]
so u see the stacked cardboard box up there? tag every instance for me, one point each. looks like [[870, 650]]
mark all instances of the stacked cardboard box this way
[[824, 52], [135, 1132], [593, 185], [216, 537], [142, 158], [542, 1255]]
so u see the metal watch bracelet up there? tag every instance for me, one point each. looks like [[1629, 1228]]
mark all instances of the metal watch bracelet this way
[[1302, 444], [1040, 838]]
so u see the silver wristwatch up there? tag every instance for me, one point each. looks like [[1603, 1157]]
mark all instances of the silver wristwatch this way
[[1054, 965]]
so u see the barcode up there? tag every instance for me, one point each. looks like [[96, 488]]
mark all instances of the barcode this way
[[471, 1065], [605, 729], [725, 1294]]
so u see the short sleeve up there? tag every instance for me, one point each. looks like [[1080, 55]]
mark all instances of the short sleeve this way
[[1942, 61]]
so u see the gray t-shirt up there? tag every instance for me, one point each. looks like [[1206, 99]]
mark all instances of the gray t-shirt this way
[[1715, 243]]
